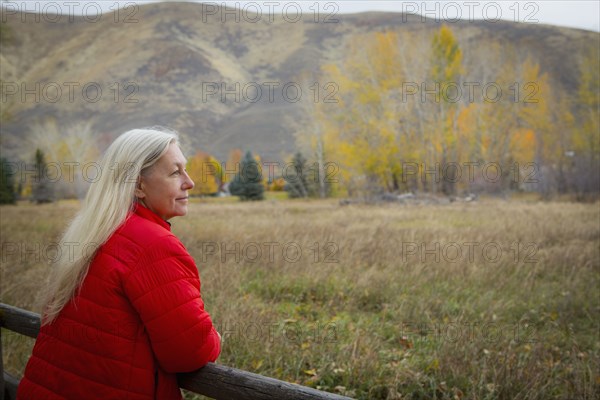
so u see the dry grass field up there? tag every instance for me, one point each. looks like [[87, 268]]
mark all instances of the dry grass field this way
[[488, 300]]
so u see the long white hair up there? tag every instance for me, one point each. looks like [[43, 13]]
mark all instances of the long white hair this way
[[106, 206]]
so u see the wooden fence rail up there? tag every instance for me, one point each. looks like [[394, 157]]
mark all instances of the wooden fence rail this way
[[213, 380]]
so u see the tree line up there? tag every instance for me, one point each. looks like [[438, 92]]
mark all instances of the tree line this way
[[418, 113], [244, 177]]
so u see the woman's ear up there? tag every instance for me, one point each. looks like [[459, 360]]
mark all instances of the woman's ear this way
[[139, 189]]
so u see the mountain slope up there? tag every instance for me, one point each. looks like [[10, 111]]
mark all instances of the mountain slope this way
[[174, 66]]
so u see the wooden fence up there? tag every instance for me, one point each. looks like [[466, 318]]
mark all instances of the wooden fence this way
[[213, 380]]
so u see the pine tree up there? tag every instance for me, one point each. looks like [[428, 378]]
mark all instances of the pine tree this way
[[42, 191], [247, 184], [7, 187]]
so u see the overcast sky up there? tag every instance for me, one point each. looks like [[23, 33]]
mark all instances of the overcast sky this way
[[576, 14], [584, 14]]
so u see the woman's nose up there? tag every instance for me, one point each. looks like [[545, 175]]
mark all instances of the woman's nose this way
[[188, 183]]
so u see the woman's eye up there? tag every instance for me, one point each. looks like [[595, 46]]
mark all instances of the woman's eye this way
[[175, 173]]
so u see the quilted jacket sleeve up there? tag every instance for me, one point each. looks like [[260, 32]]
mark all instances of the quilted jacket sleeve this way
[[164, 288]]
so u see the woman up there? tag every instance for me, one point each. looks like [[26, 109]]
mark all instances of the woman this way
[[123, 311]]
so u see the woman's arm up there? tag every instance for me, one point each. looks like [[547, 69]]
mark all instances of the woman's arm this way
[[164, 288]]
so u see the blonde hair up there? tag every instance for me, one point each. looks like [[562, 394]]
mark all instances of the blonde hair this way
[[106, 206]]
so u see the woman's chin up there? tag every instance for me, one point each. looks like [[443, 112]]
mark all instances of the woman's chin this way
[[182, 210]]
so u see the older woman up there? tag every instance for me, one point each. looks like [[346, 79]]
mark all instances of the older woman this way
[[123, 311]]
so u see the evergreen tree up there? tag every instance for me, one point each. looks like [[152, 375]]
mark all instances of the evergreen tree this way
[[247, 184], [7, 187], [296, 183], [41, 187]]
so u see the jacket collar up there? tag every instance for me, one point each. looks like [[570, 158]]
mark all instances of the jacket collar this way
[[144, 212]]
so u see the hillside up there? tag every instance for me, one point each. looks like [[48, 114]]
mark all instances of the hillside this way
[[173, 60]]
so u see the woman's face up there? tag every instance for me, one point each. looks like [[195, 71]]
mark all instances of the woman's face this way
[[164, 187]]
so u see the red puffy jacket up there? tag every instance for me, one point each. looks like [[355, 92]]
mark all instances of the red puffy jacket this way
[[137, 320]]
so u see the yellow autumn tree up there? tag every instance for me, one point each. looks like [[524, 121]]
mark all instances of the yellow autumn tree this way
[[206, 173], [446, 69], [364, 131], [538, 112], [232, 166]]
